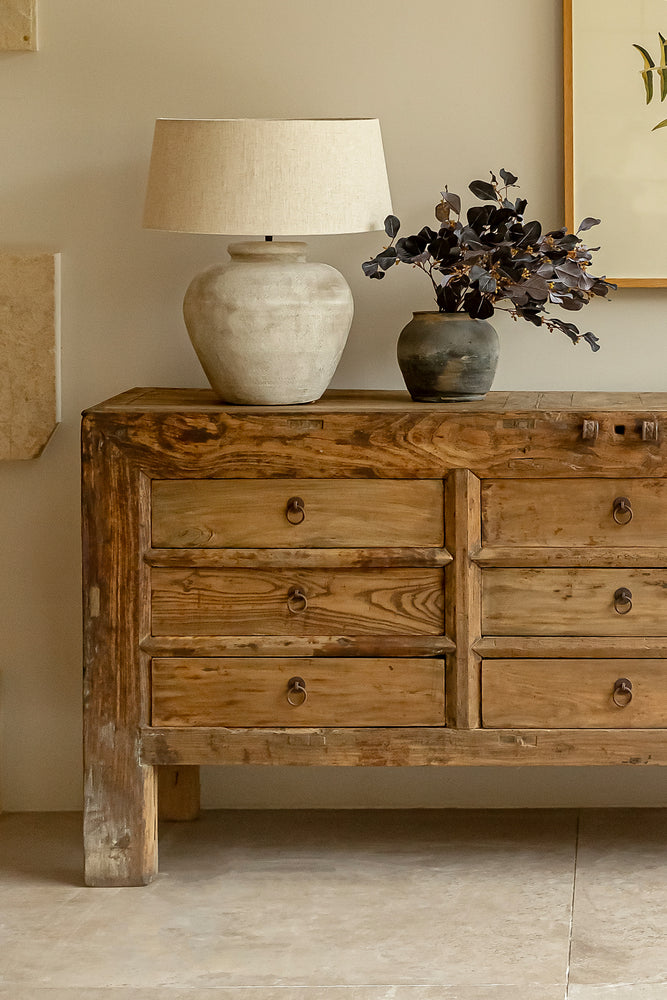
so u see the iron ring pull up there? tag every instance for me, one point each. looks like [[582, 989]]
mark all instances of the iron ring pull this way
[[296, 688], [297, 602], [622, 511], [295, 511], [622, 693], [622, 601]]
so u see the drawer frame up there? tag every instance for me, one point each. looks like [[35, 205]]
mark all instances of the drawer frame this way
[[145, 435]]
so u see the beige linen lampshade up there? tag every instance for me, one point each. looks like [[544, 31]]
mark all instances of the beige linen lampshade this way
[[269, 326], [255, 177]]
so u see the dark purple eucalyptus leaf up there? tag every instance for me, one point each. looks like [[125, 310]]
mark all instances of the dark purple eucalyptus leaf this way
[[387, 258], [588, 223], [391, 226], [453, 200], [591, 339], [478, 217], [509, 179], [483, 190]]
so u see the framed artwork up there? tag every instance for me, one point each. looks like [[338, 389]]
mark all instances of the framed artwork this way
[[615, 55]]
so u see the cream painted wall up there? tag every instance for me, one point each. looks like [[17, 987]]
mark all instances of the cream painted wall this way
[[460, 87]]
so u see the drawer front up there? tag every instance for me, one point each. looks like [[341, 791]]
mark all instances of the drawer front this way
[[574, 694], [301, 602], [568, 512], [574, 602], [224, 691], [297, 513]]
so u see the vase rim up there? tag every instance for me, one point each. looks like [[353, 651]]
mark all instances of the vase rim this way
[[459, 314]]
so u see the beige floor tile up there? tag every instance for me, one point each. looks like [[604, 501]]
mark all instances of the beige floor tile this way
[[287, 993], [620, 907], [626, 991], [294, 899]]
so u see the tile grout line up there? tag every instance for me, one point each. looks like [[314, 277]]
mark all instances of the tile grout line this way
[[574, 886]]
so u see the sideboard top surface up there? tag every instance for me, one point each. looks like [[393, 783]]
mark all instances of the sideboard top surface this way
[[140, 400]]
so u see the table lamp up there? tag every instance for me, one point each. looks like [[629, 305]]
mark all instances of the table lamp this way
[[268, 326]]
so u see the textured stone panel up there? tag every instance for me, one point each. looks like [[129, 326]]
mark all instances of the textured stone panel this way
[[18, 25], [29, 352]]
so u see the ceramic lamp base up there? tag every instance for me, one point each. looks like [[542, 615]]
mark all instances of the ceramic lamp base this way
[[269, 327]]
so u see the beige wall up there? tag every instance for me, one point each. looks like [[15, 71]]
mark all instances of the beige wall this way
[[461, 87]]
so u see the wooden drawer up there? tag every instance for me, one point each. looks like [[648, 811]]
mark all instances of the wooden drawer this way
[[574, 694], [297, 602], [574, 602], [234, 692], [574, 512], [297, 513]]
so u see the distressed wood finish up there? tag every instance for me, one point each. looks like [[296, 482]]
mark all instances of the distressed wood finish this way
[[463, 612], [306, 602], [281, 645], [572, 694], [427, 747], [572, 602], [383, 435], [574, 513], [375, 558], [255, 692], [558, 647], [247, 514], [188, 565], [120, 799], [602, 556]]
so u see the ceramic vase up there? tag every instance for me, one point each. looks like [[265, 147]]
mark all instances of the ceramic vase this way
[[447, 357]]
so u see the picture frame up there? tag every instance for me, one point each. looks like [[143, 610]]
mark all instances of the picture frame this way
[[615, 148]]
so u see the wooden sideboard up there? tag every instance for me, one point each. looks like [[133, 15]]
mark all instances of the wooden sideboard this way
[[365, 580]]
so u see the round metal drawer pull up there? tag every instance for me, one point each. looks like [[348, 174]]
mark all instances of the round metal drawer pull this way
[[296, 692], [622, 511], [295, 512], [297, 602], [622, 601], [622, 693]]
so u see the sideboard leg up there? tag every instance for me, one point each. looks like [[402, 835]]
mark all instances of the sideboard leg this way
[[178, 793], [120, 792], [120, 818]]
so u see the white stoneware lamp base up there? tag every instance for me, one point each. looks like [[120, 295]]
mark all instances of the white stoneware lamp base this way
[[269, 327]]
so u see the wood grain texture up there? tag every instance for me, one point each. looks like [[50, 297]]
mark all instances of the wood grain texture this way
[[242, 602], [299, 645], [120, 807], [582, 647], [157, 399], [572, 694], [376, 436], [541, 599], [553, 555], [572, 602], [241, 513], [400, 747], [178, 793], [567, 512], [219, 691], [331, 558], [568, 116], [462, 608]]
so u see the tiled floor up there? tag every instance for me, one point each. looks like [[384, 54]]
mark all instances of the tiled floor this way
[[404, 905]]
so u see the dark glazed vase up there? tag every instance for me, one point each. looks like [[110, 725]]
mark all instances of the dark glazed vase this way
[[447, 357]]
